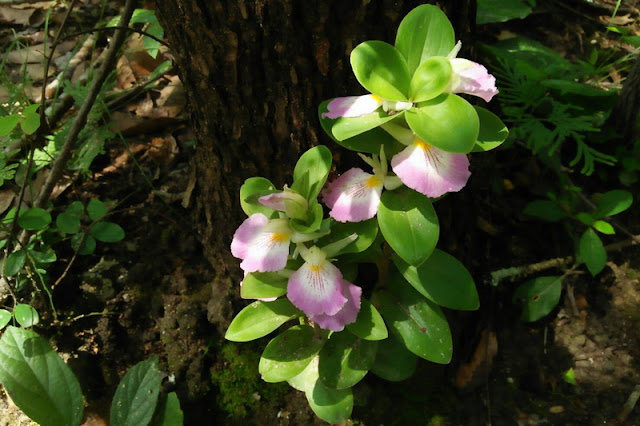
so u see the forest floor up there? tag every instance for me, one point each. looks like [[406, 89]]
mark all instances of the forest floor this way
[[150, 294]]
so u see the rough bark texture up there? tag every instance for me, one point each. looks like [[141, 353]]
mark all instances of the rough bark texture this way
[[625, 112], [255, 72]]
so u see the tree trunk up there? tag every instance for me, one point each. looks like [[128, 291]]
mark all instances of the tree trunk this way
[[255, 72]]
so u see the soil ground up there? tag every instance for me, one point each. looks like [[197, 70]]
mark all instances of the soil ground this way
[[151, 295]]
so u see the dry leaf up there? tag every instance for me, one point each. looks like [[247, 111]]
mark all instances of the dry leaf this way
[[474, 373]]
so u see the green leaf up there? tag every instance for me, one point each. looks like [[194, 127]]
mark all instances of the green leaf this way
[[311, 172], [37, 379], [345, 359], [381, 69], [369, 324], [314, 221], [394, 362], [492, 131], [136, 397], [43, 257], [538, 297], [5, 317], [417, 322], [252, 189], [424, 32], [68, 223], [613, 202], [96, 209], [263, 285], [443, 280], [30, 119], [14, 263], [289, 353], [545, 210], [592, 252], [34, 219], [361, 134], [107, 232], [430, 79], [331, 405], [75, 209], [8, 123], [409, 224], [88, 244], [171, 414], [489, 11], [367, 230], [585, 218], [604, 227], [259, 319], [26, 315], [447, 122]]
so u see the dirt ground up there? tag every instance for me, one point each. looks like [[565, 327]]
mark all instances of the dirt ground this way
[[151, 295]]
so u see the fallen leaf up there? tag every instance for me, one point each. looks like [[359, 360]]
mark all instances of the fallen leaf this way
[[474, 373]]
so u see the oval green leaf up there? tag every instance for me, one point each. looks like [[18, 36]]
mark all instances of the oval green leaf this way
[[492, 131], [5, 317], [30, 121], [171, 414], [288, 354], [613, 202], [381, 69], [394, 362], [592, 252], [83, 246], [263, 285], [443, 279], [447, 122], [37, 379], [252, 189], [14, 263], [96, 209], [538, 297], [369, 324], [331, 405], [424, 32], [26, 315], [545, 210], [604, 227], [68, 223], [259, 319], [34, 219], [136, 397], [8, 123], [107, 232], [430, 79], [345, 359], [409, 224], [311, 172], [417, 322]]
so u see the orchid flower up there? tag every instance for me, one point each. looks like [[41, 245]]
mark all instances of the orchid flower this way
[[318, 289], [356, 106], [262, 244], [355, 196], [288, 201], [470, 77], [425, 168]]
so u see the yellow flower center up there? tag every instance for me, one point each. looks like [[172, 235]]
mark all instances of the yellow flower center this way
[[315, 268], [419, 143], [376, 98], [373, 182], [277, 237]]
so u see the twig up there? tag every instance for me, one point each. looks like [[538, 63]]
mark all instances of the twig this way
[[629, 405], [518, 271], [80, 56]]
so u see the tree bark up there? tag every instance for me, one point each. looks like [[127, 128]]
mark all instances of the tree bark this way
[[255, 72]]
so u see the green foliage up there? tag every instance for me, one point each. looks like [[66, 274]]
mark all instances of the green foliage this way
[[136, 397], [490, 11], [259, 319], [37, 379], [538, 297]]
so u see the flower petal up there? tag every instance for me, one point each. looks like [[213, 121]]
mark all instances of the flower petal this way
[[347, 314], [317, 289], [261, 249], [352, 106], [473, 79], [354, 196], [431, 171], [274, 201]]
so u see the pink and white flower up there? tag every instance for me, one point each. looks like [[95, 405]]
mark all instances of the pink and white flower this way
[[470, 77], [347, 314], [429, 170], [293, 204], [357, 106], [318, 289], [262, 244], [354, 196]]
